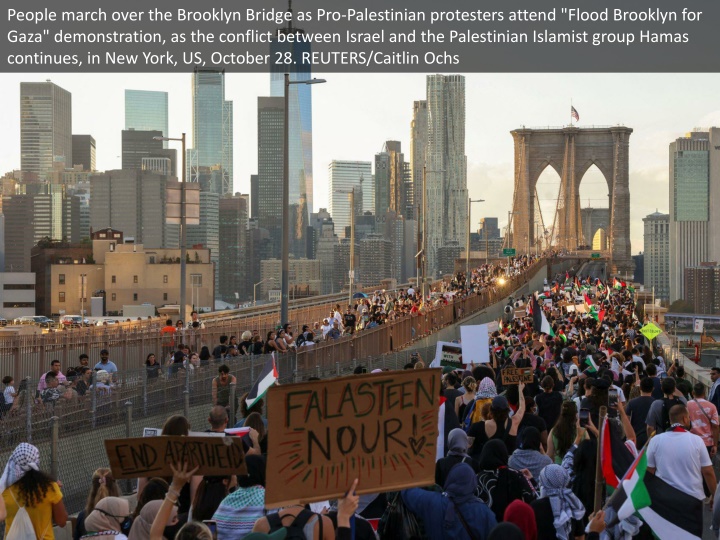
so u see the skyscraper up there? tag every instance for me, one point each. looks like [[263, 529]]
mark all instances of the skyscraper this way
[[446, 173], [134, 202], [233, 239], [694, 204], [83, 151], [45, 126], [146, 110], [657, 249], [140, 145], [418, 147], [271, 119], [212, 127], [344, 176], [390, 180], [299, 113]]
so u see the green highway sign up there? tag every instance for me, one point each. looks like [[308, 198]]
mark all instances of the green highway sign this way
[[508, 252], [595, 255]]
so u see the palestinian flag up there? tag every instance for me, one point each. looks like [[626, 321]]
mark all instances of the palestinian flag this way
[[615, 458], [540, 322], [617, 284], [567, 276], [588, 302], [590, 364], [670, 513], [267, 378]]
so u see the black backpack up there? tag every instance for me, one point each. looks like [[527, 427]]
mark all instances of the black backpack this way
[[668, 404], [295, 531]]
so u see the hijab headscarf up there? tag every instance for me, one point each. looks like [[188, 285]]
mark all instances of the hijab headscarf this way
[[531, 439], [565, 504], [493, 456], [24, 458], [108, 515], [522, 515], [506, 531], [486, 389], [143, 523], [255, 472], [458, 443], [459, 488]]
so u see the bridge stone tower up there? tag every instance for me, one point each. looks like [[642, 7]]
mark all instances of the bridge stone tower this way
[[571, 151]]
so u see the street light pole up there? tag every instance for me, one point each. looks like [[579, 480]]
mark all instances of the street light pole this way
[[285, 243], [352, 245], [467, 244], [82, 298], [183, 226]]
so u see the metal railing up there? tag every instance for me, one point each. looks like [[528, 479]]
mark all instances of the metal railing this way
[[70, 433]]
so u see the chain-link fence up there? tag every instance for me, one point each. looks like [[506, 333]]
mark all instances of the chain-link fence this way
[[71, 432]]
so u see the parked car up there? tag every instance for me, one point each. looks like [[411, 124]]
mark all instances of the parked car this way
[[3, 321], [73, 321], [37, 320], [104, 321]]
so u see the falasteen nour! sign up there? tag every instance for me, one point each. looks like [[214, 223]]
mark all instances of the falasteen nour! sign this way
[[379, 428]]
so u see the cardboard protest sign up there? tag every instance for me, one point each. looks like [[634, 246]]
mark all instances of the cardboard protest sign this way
[[448, 354], [152, 456], [476, 344], [492, 326], [379, 428], [517, 375]]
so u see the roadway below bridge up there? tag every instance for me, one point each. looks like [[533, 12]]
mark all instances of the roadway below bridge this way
[[593, 270]]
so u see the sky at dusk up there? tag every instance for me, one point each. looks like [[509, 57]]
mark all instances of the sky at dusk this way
[[353, 114]]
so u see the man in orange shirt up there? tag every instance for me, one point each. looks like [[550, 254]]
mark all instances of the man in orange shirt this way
[[167, 336]]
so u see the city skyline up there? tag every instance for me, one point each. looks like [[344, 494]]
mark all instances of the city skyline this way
[[380, 108]]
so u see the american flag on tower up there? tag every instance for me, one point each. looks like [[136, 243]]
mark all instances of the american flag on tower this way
[[574, 114]]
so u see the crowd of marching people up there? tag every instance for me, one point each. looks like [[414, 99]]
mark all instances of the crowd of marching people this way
[[605, 437]]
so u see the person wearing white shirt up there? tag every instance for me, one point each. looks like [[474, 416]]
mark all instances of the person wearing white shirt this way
[[680, 458], [326, 327]]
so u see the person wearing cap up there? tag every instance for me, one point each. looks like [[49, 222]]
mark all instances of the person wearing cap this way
[[498, 425], [105, 363]]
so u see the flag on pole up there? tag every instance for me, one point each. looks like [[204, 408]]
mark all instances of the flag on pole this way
[[670, 513], [540, 322], [267, 378], [615, 458], [574, 114]]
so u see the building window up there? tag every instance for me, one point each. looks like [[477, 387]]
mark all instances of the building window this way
[[18, 304], [19, 286], [113, 280], [113, 297], [165, 279], [61, 296], [196, 280], [165, 296], [135, 297], [61, 279], [135, 279]]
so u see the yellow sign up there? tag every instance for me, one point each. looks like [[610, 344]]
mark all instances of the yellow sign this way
[[650, 331]]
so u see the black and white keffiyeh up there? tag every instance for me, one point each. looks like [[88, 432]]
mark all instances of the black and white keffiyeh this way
[[24, 458], [565, 505]]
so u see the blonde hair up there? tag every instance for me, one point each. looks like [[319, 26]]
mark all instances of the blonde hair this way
[[102, 485], [470, 384], [420, 364], [194, 530], [246, 335]]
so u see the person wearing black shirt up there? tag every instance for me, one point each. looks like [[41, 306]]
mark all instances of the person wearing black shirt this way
[[637, 410], [349, 321], [549, 402], [220, 350]]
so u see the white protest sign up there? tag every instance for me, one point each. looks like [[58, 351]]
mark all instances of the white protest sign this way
[[476, 347]]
